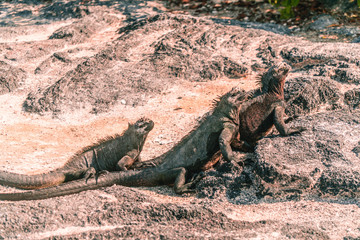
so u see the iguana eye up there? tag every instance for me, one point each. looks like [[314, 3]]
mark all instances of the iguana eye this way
[[141, 125]]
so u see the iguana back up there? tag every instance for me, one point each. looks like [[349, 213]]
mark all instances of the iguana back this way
[[110, 154]]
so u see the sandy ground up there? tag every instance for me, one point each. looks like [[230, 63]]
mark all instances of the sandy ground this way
[[33, 144]]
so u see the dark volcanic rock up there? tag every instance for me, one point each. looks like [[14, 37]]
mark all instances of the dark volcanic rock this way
[[175, 48], [118, 212], [178, 48], [10, 77], [346, 75], [24, 13], [84, 28], [356, 40], [57, 59], [305, 95], [352, 98], [322, 160], [322, 78], [322, 22], [238, 184], [340, 5], [63, 10]]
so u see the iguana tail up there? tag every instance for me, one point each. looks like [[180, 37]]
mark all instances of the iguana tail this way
[[146, 177], [33, 181]]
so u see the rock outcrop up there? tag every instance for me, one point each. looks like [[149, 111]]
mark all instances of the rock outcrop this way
[[10, 77]]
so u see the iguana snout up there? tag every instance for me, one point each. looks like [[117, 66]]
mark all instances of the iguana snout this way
[[283, 67], [279, 73], [143, 126]]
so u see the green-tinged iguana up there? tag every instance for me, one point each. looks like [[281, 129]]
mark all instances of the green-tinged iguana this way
[[215, 132], [110, 154]]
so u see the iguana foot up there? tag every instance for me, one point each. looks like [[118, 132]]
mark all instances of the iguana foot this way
[[187, 188], [292, 118], [197, 179], [91, 172], [296, 130], [102, 173], [140, 165], [96, 175]]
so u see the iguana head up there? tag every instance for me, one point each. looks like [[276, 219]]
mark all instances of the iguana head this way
[[142, 126], [273, 80], [229, 104]]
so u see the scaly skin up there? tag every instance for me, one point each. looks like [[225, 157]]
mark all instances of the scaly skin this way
[[193, 153], [146, 177], [198, 150], [267, 108], [215, 132], [111, 154]]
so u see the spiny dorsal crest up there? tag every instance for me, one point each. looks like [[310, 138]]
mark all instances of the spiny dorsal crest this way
[[143, 123], [229, 104], [231, 98]]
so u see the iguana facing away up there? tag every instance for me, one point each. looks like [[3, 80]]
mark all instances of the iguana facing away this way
[[215, 132], [265, 109], [111, 154]]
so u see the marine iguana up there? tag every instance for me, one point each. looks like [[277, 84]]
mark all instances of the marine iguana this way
[[216, 131], [256, 114], [110, 154], [265, 109]]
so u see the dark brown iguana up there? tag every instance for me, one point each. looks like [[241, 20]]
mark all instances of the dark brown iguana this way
[[110, 154], [265, 109], [215, 132]]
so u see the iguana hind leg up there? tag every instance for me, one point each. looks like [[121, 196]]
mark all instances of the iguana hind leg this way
[[178, 177]]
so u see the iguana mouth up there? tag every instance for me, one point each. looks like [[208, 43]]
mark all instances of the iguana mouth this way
[[145, 124], [150, 126], [284, 68]]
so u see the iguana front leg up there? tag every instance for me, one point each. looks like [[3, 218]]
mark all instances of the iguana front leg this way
[[225, 139], [279, 113], [128, 160]]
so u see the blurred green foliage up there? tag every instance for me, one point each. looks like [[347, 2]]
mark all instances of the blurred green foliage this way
[[286, 7]]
